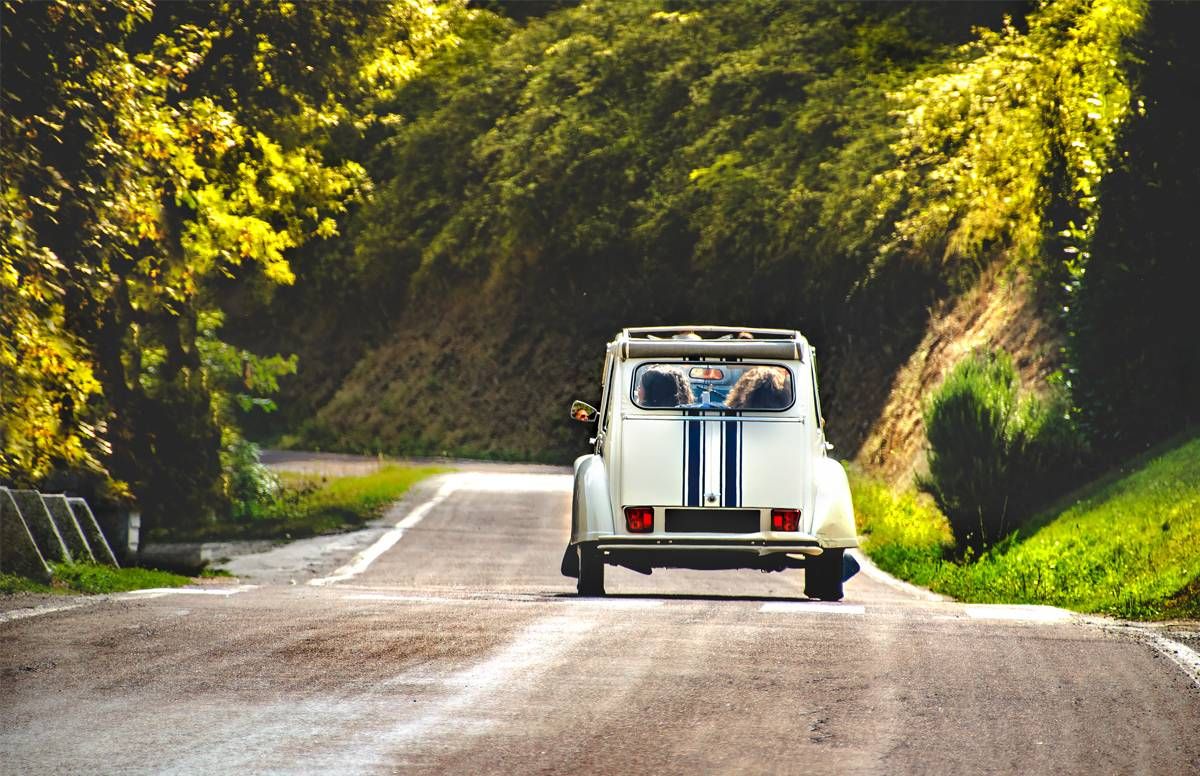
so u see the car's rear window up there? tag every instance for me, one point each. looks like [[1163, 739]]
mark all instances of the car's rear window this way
[[712, 386]]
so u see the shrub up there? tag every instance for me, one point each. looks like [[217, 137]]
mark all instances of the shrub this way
[[253, 488], [994, 455]]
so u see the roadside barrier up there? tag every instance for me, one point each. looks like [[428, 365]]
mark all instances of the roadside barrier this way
[[37, 529]]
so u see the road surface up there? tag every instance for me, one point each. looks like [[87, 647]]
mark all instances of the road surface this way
[[453, 645]]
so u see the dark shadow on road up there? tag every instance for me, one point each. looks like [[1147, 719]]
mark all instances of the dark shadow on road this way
[[693, 597]]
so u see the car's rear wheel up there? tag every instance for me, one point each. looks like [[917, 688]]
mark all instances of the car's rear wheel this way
[[591, 570], [823, 575]]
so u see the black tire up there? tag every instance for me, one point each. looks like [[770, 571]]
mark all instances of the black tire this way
[[823, 576], [591, 570]]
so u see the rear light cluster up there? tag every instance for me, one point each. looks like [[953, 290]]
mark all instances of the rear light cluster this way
[[639, 519], [785, 519]]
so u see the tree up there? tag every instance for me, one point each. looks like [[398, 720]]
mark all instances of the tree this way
[[152, 151]]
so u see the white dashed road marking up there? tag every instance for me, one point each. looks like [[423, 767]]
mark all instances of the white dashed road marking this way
[[811, 607], [159, 592], [1018, 613]]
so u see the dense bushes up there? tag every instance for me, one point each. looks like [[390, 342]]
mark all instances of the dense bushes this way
[[994, 454]]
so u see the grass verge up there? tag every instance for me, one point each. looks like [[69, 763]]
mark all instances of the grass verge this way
[[67, 578], [311, 505], [1128, 546]]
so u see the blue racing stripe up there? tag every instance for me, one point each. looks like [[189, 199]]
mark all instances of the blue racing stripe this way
[[732, 456], [741, 452], [694, 462]]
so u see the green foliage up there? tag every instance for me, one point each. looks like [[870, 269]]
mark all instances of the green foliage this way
[[813, 165], [364, 496], [152, 154], [1125, 545], [1017, 128], [46, 380], [599, 165], [904, 533], [993, 455], [252, 487], [14, 583]]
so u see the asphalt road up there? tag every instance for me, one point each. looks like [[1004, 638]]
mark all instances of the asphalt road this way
[[460, 649]]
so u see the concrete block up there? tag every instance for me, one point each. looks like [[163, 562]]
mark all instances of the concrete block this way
[[101, 549], [129, 533], [41, 526], [68, 527], [19, 553]]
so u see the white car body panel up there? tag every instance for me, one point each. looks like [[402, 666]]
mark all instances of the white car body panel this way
[[651, 456]]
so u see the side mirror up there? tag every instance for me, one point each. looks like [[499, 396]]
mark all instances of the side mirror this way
[[583, 412]]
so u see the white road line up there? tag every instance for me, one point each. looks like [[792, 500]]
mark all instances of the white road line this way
[[159, 592], [1183, 656], [1018, 613], [36, 611], [811, 607], [410, 599], [364, 559], [508, 598], [500, 482], [132, 595], [614, 603]]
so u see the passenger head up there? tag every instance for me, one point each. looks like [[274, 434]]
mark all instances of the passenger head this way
[[664, 386], [760, 387], [744, 335]]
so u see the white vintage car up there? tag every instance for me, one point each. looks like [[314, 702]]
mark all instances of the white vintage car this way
[[710, 453]]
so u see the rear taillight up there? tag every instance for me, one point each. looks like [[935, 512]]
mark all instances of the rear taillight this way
[[639, 519], [785, 519]]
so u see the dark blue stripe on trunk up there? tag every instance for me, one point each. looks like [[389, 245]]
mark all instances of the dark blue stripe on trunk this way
[[694, 463], [732, 442]]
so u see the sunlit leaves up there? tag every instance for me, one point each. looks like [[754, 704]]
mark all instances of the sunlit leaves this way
[[983, 139], [46, 379], [158, 157]]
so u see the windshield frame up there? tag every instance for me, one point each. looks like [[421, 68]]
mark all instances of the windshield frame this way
[[686, 366]]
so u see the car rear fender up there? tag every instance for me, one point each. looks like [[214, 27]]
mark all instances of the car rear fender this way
[[591, 507], [833, 512]]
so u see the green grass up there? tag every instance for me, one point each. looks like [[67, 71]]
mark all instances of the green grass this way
[[91, 578], [1128, 546], [311, 505], [67, 578], [15, 583], [904, 532]]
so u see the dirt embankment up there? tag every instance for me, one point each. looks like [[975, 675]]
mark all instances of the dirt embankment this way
[[1001, 311]]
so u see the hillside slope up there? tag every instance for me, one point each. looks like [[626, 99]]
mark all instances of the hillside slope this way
[[1001, 311]]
